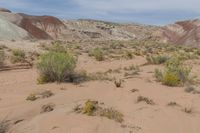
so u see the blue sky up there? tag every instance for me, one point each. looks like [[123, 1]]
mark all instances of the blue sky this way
[[157, 12]]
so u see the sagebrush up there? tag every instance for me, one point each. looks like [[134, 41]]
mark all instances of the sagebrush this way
[[56, 66], [174, 74], [18, 55]]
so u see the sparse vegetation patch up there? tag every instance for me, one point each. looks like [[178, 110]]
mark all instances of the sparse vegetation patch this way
[[41, 95], [131, 71], [192, 89], [18, 56], [93, 108], [174, 74], [128, 55], [47, 108], [97, 53], [157, 59], [2, 58], [146, 100]]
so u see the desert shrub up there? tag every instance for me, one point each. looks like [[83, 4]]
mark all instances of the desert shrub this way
[[99, 76], [115, 45], [97, 53], [158, 74], [4, 125], [47, 108], [128, 55], [138, 52], [176, 66], [188, 110], [192, 89], [18, 56], [132, 70], [183, 55], [112, 114], [170, 79], [157, 59], [197, 52], [93, 108], [118, 83], [32, 97], [55, 66], [174, 73], [57, 47], [41, 95], [146, 100], [2, 57], [78, 77], [90, 107]]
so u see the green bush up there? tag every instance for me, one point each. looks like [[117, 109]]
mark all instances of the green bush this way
[[97, 53], [157, 59], [174, 73], [176, 66], [54, 66], [170, 79], [2, 57], [18, 56]]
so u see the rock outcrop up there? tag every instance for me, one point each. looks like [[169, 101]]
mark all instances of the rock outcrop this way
[[10, 31], [42, 27], [39, 27], [183, 32]]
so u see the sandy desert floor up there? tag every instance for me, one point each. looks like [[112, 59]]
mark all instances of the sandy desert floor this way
[[139, 117]]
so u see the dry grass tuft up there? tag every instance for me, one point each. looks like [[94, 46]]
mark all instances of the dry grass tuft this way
[[41, 95], [92, 108], [146, 100]]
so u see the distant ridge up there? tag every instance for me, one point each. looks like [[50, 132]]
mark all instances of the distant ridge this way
[[48, 28]]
